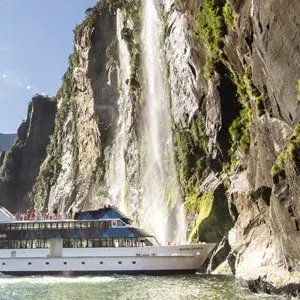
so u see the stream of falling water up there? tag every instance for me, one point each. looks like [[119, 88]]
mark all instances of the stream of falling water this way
[[162, 204], [159, 208], [116, 175]]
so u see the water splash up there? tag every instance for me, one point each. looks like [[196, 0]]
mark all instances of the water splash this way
[[162, 204]]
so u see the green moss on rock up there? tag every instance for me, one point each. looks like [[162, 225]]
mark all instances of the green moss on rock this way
[[229, 17], [191, 150], [213, 219], [131, 34], [278, 169], [291, 154]]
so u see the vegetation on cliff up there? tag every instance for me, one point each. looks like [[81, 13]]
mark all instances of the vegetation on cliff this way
[[191, 150], [51, 167], [291, 155]]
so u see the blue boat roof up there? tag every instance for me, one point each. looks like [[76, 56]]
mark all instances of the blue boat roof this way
[[102, 214]]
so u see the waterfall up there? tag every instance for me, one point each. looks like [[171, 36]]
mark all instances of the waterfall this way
[[116, 169], [162, 204], [154, 199]]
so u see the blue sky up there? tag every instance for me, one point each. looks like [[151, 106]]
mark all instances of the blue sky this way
[[36, 39]]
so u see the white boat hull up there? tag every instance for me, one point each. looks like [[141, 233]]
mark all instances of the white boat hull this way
[[147, 260]]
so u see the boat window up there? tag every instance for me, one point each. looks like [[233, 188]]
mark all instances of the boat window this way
[[101, 224], [36, 226], [42, 225], [135, 242], [54, 225], [104, 224], [114, 223], [71, 225], [65, 225], [90, 243], [134, 262], [120, 223], [96, 243], [122, 242], [13, 226], [84, 243], [24, 226], [29, 244], [96, 224], [78, 243], [119, 262], [19, 226], [30, 226], [78, 225], [47, 243], [65, 262], [48, 226], [83, 263], [84, 225], [47, 262], [109, 242], [68, 243], [101, 262], [35, 244], [116, 242], [23, 244]]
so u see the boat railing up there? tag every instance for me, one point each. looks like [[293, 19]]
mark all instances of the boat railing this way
[[37, 217]]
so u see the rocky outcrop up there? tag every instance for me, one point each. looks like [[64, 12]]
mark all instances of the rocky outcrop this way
[[6, 140], [22, 162], [245, 87], [230, 70]]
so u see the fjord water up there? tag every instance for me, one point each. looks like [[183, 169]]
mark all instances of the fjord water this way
[[189, 287]]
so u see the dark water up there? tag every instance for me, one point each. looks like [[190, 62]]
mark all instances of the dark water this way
[[124, 287]]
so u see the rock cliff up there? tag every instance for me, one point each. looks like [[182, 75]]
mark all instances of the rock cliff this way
[[20, 164], [227, 125]]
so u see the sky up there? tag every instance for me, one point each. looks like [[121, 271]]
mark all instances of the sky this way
[[36, 38]]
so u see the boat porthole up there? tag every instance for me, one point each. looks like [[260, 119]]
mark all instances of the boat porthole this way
[[134, 262], [3, 264], [47, 263], [119, 262], [101, 262], [29, 263], [82, 262], [65, 262]]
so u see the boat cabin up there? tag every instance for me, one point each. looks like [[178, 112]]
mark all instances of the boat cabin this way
[[106, 227]]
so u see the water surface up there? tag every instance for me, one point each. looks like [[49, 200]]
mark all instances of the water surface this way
[[188, 287]]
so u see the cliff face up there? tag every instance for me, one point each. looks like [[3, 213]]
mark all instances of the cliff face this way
[[21, 163], [209, 103]]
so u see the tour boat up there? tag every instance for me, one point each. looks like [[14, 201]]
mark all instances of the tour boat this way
[[99, 242]]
